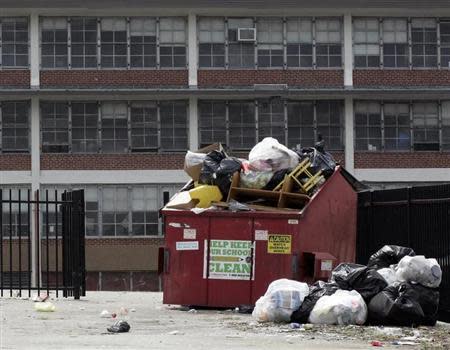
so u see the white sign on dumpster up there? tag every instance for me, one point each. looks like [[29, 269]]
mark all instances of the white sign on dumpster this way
[[230, 259], [191, 245]]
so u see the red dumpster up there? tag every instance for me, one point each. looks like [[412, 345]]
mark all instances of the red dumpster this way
[[224, 259]]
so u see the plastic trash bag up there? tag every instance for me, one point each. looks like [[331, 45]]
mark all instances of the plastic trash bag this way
[[210, 166], [282, 297], [316, 291], [277, 177], [343, 308], [405, 304], [192, 159], [389, 275], [426, 272], [388, 255], [255, 179], [218, 169], [320, 160], [365, 281], [269, 154]]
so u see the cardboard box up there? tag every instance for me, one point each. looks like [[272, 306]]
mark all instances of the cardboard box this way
[[194, 171]]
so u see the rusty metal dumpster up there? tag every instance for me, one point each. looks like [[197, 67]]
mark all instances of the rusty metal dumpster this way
[[226, 259]]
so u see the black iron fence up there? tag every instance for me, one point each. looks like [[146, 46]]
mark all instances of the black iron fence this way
[[42, 242], [416, 217]]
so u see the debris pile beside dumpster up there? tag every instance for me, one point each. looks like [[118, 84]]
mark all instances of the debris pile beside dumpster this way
[[358, 294], [273, 178]]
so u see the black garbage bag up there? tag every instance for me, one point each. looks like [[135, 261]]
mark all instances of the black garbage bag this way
[[210, 166], [320, 160], [229, 166], [277, 177], [405, 304], [316, 291], [388, 255], [365, 281], [218, 169]]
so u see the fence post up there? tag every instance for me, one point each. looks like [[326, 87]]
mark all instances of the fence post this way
[[35, 264], [78, 273], [408, 214]]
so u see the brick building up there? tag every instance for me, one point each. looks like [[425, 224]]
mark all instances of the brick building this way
[[108, 98]]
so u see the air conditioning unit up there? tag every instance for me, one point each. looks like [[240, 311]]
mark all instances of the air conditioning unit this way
[[246, 34]]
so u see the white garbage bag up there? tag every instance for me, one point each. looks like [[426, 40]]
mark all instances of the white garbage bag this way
[[419, 269], [282, 297], [343, 308], [192, 159], [269, 154], [389, 274]]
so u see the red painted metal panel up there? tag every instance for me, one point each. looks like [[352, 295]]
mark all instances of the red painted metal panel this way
[[327, 225], [183, 271], [271, 266], [232, 237]]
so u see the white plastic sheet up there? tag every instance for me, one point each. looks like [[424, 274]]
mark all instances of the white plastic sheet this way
[[389, 274], [282, 297], [342, 308], [419, 269], [269, 154]]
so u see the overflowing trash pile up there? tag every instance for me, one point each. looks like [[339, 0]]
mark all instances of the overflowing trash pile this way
[[273, 177], [396, 288]]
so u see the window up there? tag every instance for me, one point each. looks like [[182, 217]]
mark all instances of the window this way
[[424, 42], [211, 37], [54, 43], [83, 33], [91, 210], [15, 127], [395, 43], [328, 43], [14, 42], [270, 42], [397, 133], [300, 122], [55, 127], [271, 120], [426, 126], [144, 211], [212, 122], [114, 128], [446, 125], [299, 42], [51, 219], [240, 54], [240, 124], [84, 127], [144, 127], [241, 121], [329, 116], [15, 219], [101, 127], [143, 42], [115, 216], [366, 43], [368, 126], [444, 27], [172, 38], [173, 126], [113, 43]]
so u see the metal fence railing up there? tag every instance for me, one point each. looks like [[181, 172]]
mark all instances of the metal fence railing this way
[[42, 242], [416, 217]]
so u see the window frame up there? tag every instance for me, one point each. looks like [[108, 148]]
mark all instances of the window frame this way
[[83, 44], [28, 127], [284, 44], [14, 43], [256, 126]]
